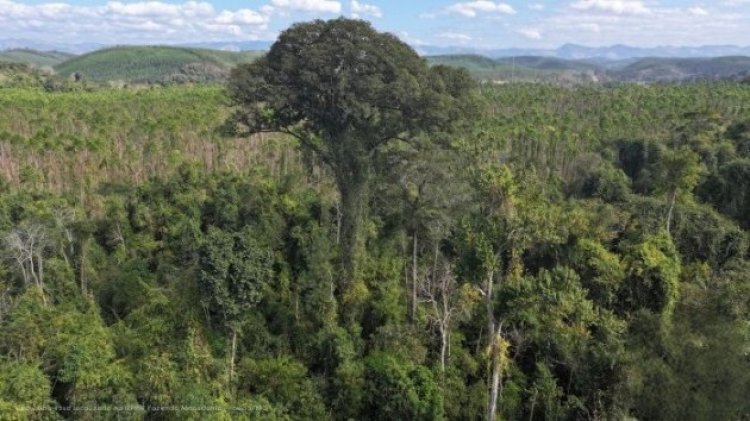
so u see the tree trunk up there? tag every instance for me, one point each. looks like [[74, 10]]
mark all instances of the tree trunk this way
[[233, 354], [495, 386], [672, 199], [338, 223], [413, 308], [533, 404], [443, 347], [22, 265], [495, 376], [40, 265], [435, 260], [353, 187], [82, 266]]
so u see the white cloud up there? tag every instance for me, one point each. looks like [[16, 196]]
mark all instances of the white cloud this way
[[665, 25], [536, 6], [118, 22], [360, 9], [620, 7], [241, 17], [473, 8], [698, 11], [156, 8], [325, 6], [453, 36], [530, 33], [590, 27]]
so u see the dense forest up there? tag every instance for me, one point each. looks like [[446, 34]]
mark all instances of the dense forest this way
[[528, 251]]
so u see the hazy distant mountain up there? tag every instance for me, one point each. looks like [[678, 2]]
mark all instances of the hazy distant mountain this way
[[622, 52], [233, 46], [579, 52], [18, 44], [33, 57]]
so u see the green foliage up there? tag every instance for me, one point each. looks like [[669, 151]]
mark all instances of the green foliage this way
[[600, 179], [729, 190], [703, 372], [23, 387], [653, 268], [602, 272], [566, 331], [286, 384], [235, 269], [396, 390], [547, 396], [679, 170]]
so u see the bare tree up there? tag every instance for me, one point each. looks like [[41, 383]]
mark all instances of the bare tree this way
[[25, 247], [448, 302]]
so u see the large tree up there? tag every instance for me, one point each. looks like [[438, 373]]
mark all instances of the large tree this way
[[345, 90]]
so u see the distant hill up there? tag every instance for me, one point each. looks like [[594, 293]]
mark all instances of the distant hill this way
[[50, 45], [670, 69], [524, 68], [550, 63], [169, 64], [155, 64], [580, 52], [537, 68], [34, 57]]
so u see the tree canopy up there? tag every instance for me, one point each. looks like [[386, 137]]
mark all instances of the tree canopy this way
[[344, 90]]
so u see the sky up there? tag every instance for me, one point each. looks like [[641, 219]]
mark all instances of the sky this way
[[480, 24]]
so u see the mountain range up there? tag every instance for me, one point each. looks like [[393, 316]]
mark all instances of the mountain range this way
[[170, 64], [567, 51], [614, 52]]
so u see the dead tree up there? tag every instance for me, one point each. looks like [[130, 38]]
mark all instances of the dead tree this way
[[448, 303], [25, 246]]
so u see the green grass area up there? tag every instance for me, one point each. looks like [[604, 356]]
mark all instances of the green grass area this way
[[154, 64]]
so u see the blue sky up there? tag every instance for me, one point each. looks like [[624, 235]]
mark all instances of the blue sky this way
[[474, 23]]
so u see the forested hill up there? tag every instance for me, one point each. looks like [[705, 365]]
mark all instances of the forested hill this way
[[154, 64], [668, 70], [526, 68]]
